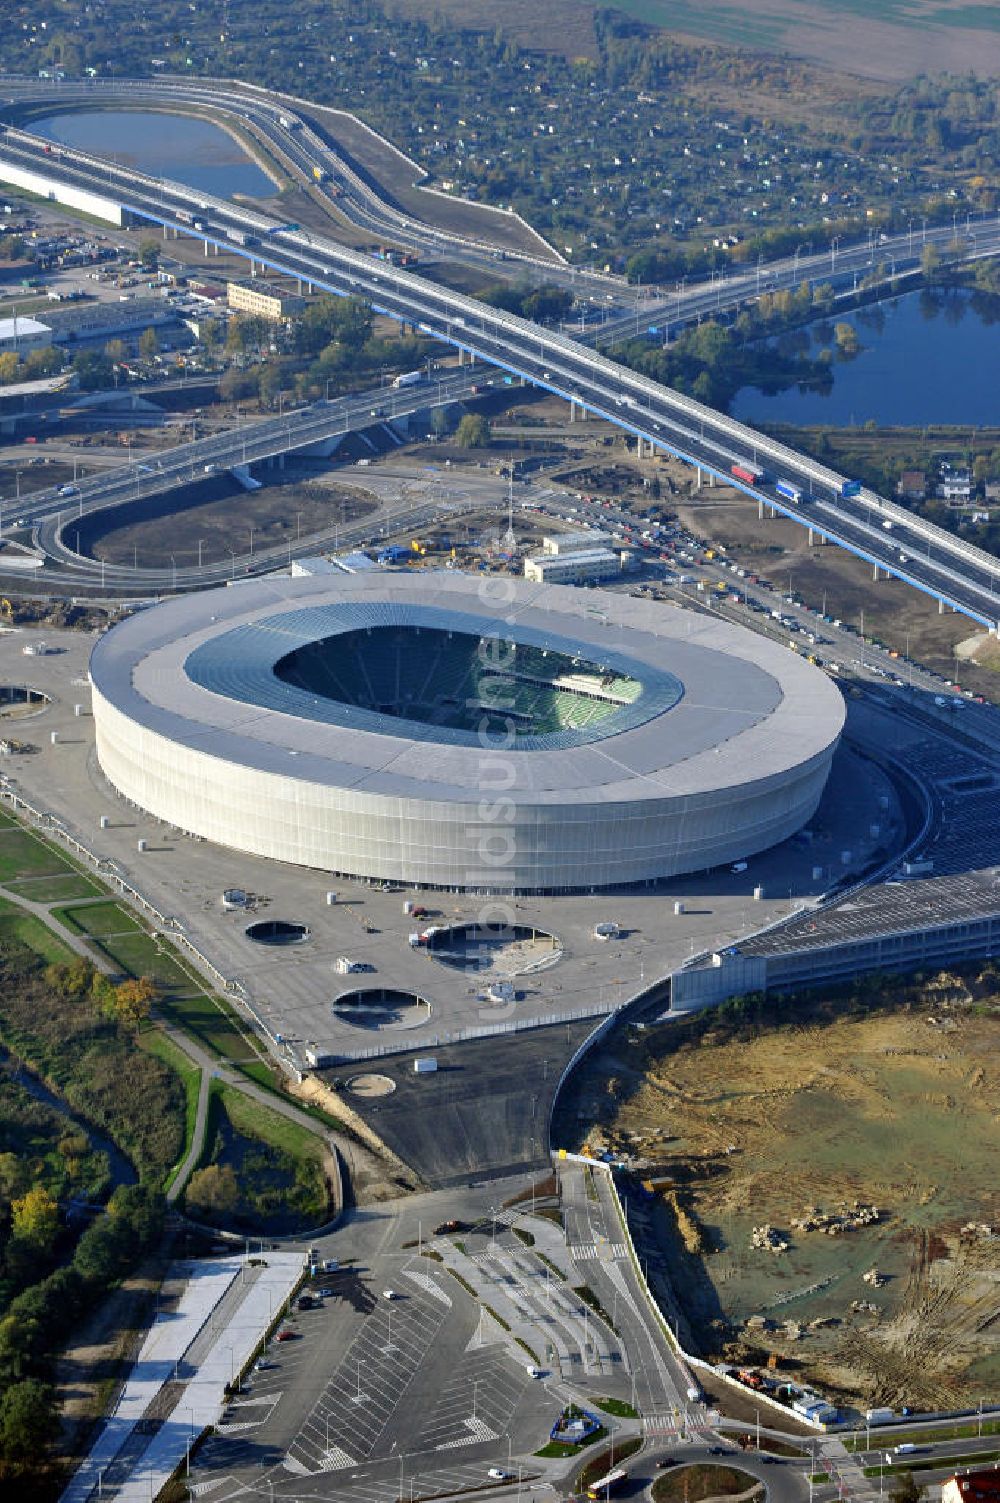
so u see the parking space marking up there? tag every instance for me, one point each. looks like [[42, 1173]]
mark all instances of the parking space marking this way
[[478, 1401], [477, 1431], [364, 1390], [335, 1460], [429, 1285]]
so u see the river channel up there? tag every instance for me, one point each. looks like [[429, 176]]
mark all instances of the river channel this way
[[180, 147]]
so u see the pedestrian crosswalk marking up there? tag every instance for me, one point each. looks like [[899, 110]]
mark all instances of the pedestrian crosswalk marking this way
[[586, 1250]]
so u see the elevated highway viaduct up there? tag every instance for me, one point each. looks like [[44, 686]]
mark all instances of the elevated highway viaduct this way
[[891, 539]]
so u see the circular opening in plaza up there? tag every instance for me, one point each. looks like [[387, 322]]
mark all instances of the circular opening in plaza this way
[[414, 730], [502, 950], [18, 701], [378, 1007], [277, 932]]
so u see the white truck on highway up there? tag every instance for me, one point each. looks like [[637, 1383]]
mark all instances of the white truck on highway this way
[[408, 378]]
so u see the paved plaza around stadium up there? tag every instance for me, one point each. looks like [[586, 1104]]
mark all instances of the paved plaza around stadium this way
[[293, 989]]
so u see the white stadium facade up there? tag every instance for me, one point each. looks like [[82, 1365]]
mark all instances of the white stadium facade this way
[[479, 734]]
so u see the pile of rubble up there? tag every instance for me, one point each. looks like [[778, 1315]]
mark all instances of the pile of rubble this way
[[833, 1223], [767, 1238]]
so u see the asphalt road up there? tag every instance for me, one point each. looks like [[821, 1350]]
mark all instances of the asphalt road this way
[[915, 551]]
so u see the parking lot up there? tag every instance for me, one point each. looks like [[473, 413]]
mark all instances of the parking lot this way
[[372, 1396]]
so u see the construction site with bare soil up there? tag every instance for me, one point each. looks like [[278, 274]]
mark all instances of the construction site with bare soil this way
[[822, 1177]]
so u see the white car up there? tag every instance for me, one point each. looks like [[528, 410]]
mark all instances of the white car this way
[[534, 1372], [497, 1474], [389, 1294]]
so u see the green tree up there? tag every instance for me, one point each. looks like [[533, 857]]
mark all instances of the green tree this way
[[473, 431], [28, 1421], [35, 1219], [115, 350], [440, 422], [149, 254], [212, 1191], [906, 1490], [132, 1001], [94, 370], [46, 361], [930, 261], [209, 335], [268, 384]]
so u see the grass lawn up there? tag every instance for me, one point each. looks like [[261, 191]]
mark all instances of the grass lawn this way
[[274, 1165], [931, 1463], [16, 925], [61, 889], [945, 1432], [24, 854], [214, 1025], [689, 1484], [249, 1117], [98, 919], [156, 1043], [617, 1406], [140, 955]]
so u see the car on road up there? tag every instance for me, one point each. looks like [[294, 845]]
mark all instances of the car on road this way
[[720, 1451], [497, 1474], [264, 1365], [446, 1227], [389, 1294], [288, 1336], [666, 1461], [534, 1372]]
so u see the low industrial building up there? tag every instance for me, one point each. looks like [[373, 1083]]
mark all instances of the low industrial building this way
[[575, 542], [575, 568], [19, 335], [101, 320], [263, 300]]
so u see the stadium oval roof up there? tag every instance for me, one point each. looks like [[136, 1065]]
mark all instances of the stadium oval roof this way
[[749, 708], [244, 663], [680, 741]]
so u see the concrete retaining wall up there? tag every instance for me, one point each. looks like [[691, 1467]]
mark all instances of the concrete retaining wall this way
[[61, 193]]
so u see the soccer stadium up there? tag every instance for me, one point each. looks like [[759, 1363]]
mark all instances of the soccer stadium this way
[[437, 730]]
